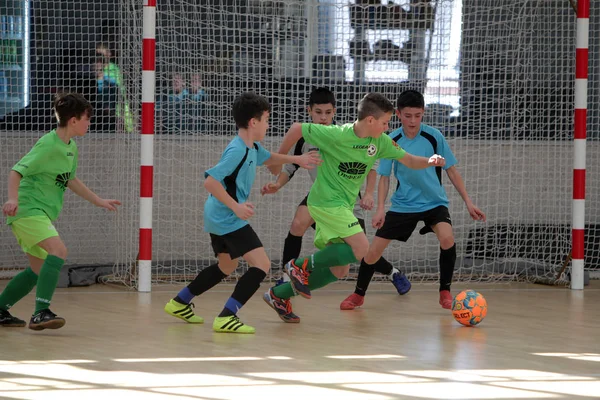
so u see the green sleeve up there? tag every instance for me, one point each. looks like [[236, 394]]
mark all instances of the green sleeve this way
[[389, 149], [321, 136], [34, 161]]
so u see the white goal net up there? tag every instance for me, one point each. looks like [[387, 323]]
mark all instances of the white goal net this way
[[498, 79]]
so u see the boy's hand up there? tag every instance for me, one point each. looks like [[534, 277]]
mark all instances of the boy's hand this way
[[10, 208], [309, 160], [367, 202], [378, 218], [274, 169], [270, 188], [109, 204], [244, 210], [475, 212], [437, 161]]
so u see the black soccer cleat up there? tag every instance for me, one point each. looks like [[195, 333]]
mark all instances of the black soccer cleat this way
[[10, 321], [46, 319]]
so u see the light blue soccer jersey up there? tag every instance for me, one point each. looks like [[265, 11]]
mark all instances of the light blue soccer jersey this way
[[236, 171], [418, 190]]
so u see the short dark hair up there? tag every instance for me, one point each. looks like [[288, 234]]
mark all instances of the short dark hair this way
[[374, 104], [321, 95], [247, 106], [69, 105], [410, 98]]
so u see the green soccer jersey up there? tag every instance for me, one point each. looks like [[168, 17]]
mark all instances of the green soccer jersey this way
[[347, 159], [46, 171]]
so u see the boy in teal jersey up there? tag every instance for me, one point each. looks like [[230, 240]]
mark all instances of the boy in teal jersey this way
[[226, 214], [36, 187], [419, 196], [348, 152]]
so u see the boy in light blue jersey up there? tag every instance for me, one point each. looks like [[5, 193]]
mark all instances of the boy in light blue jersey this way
[[226, 212], [419, 196]]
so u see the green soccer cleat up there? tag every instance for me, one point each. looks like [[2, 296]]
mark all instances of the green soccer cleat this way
[[231, 324], [183, 311]]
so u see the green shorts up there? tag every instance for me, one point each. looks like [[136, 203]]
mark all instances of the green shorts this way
[[29, 231], [333, 224]]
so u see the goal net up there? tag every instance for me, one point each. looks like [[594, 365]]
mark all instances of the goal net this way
[[498, 79]]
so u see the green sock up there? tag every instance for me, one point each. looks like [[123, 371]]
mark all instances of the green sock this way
[[334, 255], [317, 279], [284, 291], [17, 288], [47, 282], [320, 277]]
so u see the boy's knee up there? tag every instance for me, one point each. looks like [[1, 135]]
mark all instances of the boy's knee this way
[[447, 242], [340, 272], [299, 227], [59, 251], [371, 256], [359, 253], [228, 267]]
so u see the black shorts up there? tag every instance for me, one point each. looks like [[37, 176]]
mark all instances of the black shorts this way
[[236, 243], [304, 202], [399, 226]]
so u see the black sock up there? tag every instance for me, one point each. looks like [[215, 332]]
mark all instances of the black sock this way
[[247, 285], [447, 261], [206, 279], [365, 274], [383, 266], [291, 248]]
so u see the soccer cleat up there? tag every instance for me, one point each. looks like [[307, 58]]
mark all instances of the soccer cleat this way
[[401, 282], [231, 324], [284, 279], [299, 278], [9, 321], [183, 311], [46, 319], [282, 307], [445, 299], [353, 301]]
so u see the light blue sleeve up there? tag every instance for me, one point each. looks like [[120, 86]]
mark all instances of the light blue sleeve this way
[[385, 167], [262, 155], [231, 158], [445, 151]]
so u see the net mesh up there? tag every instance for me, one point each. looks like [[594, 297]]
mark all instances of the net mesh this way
[[497, 76]]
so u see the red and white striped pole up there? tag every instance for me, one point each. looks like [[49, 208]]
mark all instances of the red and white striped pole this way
[[147, 146], [581, 88]]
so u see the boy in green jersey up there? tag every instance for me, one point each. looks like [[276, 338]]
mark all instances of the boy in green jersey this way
[[348, 153], [36, 187]]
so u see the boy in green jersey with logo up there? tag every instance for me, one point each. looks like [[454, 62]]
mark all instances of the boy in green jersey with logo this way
[[36, 187], [348, 153]]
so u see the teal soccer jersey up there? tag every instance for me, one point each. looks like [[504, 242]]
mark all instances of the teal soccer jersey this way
[[418, 190], [236, 171]]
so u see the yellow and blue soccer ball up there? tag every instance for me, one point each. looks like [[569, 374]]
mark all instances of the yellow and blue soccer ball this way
[[469, 308]]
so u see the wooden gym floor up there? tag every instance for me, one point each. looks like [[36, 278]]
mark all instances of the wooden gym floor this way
[[536, 342]]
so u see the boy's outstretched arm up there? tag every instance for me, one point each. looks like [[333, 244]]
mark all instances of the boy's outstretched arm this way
[[79, 188], [459, 184], [307, 160], [214, 187], [417, 162], [12, 204]]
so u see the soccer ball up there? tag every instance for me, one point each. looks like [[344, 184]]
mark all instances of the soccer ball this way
[[469, 308]]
